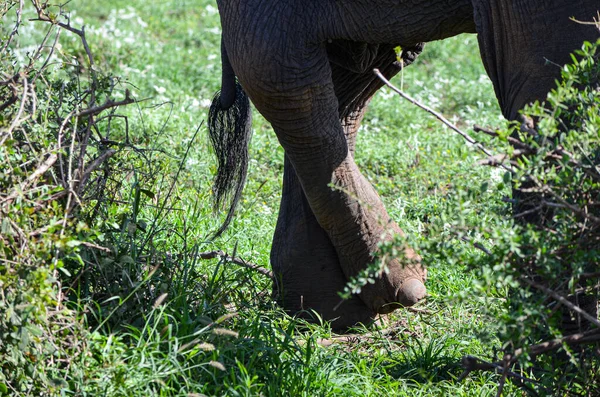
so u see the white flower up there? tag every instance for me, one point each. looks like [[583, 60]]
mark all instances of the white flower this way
[[215, 30]]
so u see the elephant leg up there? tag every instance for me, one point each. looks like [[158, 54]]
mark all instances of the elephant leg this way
[[300, 245], [524, 45], [306, 265], [278, 51]]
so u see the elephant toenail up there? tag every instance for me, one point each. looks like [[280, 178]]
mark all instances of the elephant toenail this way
[[411, 292]]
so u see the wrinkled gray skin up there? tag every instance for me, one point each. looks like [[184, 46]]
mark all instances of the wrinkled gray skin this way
[[306, 65]]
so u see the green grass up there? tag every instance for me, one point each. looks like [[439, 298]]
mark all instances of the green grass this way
[[167, 54]]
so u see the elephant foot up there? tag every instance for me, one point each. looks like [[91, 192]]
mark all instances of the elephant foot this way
[[401, 286], [309, 279]]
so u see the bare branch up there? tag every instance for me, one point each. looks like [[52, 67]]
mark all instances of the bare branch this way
[[31, 178], [472, 363], [562, 300], [93, 166], [438, 116], [237, 261], [15, 29], [107, 105], [570, 340]]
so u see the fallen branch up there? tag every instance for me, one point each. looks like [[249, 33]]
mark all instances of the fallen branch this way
[[237, 261]]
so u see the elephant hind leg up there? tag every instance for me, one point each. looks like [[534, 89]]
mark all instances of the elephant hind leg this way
[[304, 260]]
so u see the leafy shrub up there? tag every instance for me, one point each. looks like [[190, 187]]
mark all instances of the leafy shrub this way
[[58, 133], [84, 242], [551, 253], [541, 268], [538, 267]]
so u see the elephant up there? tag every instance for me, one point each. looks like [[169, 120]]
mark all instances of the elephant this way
[[307, 68]]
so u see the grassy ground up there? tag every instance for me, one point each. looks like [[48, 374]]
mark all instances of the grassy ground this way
[[167, 54]]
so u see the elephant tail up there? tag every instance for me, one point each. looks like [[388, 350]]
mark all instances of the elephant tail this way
[[230, 130]]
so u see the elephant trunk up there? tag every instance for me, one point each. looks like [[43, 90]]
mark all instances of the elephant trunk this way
[[230, 130]]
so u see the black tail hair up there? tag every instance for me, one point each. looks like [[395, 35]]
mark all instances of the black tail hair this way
[[230, 130]]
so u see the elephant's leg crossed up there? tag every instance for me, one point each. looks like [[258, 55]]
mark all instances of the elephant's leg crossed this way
[[352, 213], [306, 264], [303, 257]]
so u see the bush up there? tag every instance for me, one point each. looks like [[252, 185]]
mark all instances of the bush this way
[[547, 258], [553, 255], [538, 268], [58, 134], [85, 234]]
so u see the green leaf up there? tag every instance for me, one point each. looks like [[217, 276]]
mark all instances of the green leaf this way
[[74, 243]]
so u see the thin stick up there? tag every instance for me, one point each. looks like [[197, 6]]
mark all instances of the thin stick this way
[[31, 178], [437, 115], [237, 261], [562, 300]]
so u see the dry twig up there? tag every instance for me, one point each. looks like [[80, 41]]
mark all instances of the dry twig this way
[[237, 261], [439, 117]]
